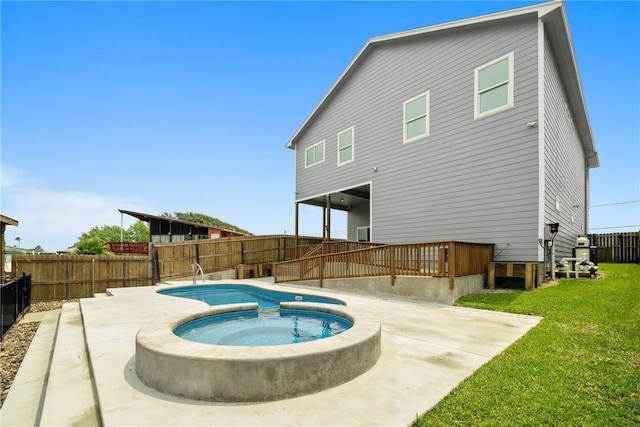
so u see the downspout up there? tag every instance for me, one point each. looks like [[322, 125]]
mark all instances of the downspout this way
[[586, 197]]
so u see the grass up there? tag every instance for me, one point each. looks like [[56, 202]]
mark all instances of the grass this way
[[580, 366]]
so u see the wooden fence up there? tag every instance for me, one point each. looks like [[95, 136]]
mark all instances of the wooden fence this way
[[436, 259], [617, 247], [174, 260], [56, 277]]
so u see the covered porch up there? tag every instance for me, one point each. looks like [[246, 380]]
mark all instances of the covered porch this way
[[355, 201]]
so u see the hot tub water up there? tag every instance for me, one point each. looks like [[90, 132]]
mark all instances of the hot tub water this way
[[263, 327]]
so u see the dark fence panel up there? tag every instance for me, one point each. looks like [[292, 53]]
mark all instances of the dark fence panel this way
[[617, 247], [15, 300]]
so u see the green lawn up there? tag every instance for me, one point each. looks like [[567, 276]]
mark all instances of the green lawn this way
[[579, 367]]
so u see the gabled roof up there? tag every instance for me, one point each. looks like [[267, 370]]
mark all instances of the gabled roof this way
[[554, 16]]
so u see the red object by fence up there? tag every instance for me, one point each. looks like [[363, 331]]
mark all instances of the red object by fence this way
[[128, 248]]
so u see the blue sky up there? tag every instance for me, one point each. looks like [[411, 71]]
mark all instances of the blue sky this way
[[186, 107]]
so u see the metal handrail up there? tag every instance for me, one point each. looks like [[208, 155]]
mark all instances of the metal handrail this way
[[194, 272]]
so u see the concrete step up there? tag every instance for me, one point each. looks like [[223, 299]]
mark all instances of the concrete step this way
[[69, 397], [23, 404]]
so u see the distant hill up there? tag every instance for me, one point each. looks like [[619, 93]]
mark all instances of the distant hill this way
[[199, 218]]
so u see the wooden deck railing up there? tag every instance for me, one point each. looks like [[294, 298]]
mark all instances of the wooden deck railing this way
[[325, 248], [436, 259]]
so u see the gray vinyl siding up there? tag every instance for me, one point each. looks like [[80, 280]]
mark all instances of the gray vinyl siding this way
[[357, 217], [565, 169], [473, 180]]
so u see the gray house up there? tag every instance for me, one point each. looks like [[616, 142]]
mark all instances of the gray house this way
[[473, 130]]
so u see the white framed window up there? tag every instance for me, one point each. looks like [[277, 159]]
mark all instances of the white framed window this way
[[363, 234], [493, 84], [416, 118], [314, 154], [345, 146]]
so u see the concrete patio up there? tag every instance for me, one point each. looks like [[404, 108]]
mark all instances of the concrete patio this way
[[80, 368]]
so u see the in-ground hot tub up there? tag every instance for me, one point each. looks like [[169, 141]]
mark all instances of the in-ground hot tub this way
[[225, 373], [263, 327]]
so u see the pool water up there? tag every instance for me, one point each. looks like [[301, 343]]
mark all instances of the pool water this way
[[263, 327], [234, 294]]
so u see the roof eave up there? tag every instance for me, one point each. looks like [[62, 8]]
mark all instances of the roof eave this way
[[8, 221], [557, 28]]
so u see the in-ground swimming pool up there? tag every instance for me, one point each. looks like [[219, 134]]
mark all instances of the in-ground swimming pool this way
[[237, 294], [263, 327]]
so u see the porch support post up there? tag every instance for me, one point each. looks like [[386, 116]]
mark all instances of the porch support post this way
[[328, 217], [324, 223], [295, 241], [452, 264], [392, 264]]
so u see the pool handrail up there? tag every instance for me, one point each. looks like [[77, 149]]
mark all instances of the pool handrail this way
[[194, 272]]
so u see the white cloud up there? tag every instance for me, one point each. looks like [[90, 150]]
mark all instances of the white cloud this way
[[9, 176], [55, 219]]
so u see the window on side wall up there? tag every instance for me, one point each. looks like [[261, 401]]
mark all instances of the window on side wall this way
[[345, 146], [314, 154], [494, 86], [363, 234], [416, 118]]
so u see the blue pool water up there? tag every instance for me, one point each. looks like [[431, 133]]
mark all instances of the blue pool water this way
[[263, 327], [234, 294]]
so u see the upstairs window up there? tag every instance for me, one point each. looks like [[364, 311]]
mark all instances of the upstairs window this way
[[494, 86], [416, 118], [345, 146], [314, 154]]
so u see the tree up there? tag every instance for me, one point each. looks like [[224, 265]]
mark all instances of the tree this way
[[138, 232], [203, 219], [106, 233], [90, 246]]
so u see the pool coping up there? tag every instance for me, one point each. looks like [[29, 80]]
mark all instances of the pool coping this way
[[220, 373]]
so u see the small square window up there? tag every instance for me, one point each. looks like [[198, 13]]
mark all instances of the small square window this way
[[364, 234], [494, 86], [416, 118], [345, 146], [314, 154]]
